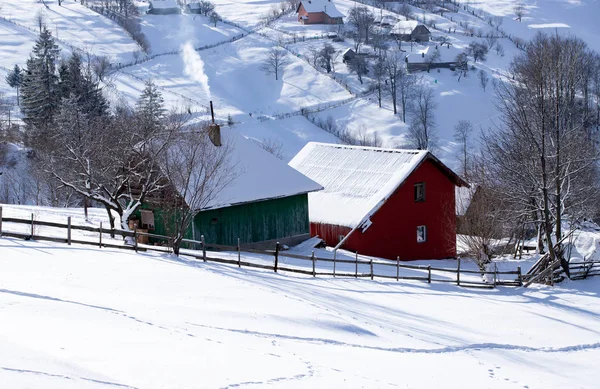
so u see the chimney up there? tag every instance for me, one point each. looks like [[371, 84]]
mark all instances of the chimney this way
[[214, 131]]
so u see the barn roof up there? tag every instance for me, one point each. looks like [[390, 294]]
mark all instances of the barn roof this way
[[164, 4], [259, 174], [357, 179], [326, 6], [404, 27]]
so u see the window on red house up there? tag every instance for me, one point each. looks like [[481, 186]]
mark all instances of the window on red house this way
[[419, 192], [421, 234]]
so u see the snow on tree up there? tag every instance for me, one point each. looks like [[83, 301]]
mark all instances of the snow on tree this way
[[40, 84]]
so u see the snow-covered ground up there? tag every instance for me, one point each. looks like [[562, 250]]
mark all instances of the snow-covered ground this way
[[74, 25], [75, 317]]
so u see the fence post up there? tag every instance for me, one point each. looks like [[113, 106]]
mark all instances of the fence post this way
[[371, 262], [276, 256], [100, 234], [313, 263], [69, 230], [356, 266], [429, 274], [32, 226], [203, 248], [239, 254], [495, 274], [334, 255], [0, 221], [519, 276], [458, 273], [135, 243], [398, 268]]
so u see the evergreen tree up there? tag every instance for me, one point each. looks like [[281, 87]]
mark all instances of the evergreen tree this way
[[79, 82], [40, 82], [150, 109], [14, 78]]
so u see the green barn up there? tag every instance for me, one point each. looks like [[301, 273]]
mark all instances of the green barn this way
[[266, 202]]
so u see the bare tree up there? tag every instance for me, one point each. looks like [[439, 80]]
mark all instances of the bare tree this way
[[313, 55], [327, 56], [478, 51], [275, 61], [544, 157], [363, 20], [394, 67], [40, 20], [462, 134], [358, 65], [422, 127], [433, 58], [462, 65], [519, 11], [197, 171], [214, 18], [483, 78]]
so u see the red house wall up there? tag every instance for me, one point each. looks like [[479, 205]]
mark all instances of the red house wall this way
[[394, 229], [313, 17]]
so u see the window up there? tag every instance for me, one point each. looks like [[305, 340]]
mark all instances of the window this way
[[421, 234], [214, 220], [419, 192]]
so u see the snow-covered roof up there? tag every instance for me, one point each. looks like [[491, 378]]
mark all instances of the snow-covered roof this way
[[194, 5], [163, 4], [422, 54], [259, 174], [404, 27], [326, 6], [463, 196], [357, 180]]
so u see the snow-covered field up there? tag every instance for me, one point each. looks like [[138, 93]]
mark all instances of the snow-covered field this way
[[75, 317]]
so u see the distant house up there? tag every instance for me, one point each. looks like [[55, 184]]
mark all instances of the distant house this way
[[348, 55], [267, 202], [432, 57], [386, 20], [193, 8], [319, 12], [411, 30], [163, 7], [381, 202]]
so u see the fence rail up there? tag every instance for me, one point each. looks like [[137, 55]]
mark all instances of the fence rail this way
[[427, 271]]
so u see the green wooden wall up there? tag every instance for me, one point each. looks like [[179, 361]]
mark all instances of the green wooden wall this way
[[254, 222]]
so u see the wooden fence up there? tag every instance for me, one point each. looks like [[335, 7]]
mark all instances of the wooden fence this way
[[396, 270]]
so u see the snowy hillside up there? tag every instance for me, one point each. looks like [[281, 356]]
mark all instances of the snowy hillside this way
[[230, 73], [89, 318]]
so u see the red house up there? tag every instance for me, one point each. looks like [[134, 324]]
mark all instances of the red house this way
[[381, 202], [319, 12]]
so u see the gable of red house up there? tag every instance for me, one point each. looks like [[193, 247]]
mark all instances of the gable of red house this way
[[370, 202], [319, 12]]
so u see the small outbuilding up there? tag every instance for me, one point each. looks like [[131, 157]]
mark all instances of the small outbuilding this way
[[194, 8], [386, 203], [411, 31], [163, 7], [348, 55], [319, 12]]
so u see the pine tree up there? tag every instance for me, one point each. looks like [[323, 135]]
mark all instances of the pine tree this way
[[77, 81], [40, 82], [150, 109], [14, 78]]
